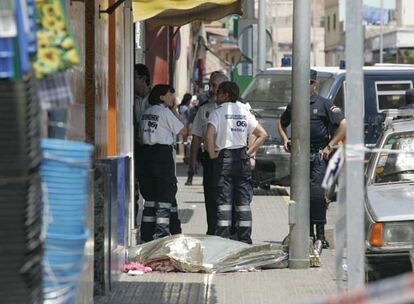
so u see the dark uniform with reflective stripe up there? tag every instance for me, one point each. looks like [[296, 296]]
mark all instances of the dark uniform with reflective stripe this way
[[234, 188], [325, 118], [234, 184], [158, 185], [158, 182]]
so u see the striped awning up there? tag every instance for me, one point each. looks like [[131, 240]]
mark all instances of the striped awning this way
[[180, 12]]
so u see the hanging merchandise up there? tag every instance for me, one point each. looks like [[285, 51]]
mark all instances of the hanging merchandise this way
[[8, 28], [54, 92], [65, 173], [56, 47]]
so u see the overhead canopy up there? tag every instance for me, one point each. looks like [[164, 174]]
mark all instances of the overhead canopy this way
[[180, 12]]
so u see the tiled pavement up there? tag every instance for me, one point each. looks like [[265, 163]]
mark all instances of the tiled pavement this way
[[270, 217]]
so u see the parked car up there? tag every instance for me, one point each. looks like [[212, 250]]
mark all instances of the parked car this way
[[389, 203], [271, 91]]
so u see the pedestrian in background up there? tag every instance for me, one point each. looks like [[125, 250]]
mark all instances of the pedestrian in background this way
[[192, 112], [159, 127], [184, 109], [209, 165], [229, 128], [327, 128]]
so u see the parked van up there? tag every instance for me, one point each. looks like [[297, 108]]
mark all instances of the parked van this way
[[271, 91]]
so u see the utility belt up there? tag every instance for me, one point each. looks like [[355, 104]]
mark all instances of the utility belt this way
[[239, 153], [318, 146], [159, 147]]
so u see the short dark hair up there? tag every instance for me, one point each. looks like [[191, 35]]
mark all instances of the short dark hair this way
[[142, 70], [186, 99], [158, 91], [230, 88]]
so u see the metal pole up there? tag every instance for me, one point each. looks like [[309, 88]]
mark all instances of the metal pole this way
[[248, 11], [247, 40], [254, 49], [382, 33], [354, 154], [299, 210], [128, 142], [261, 58]]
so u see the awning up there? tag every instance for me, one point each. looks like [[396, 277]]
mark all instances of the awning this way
[[180, 12]]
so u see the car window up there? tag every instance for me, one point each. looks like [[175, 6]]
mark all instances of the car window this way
[[391, 94], [269, 94], [339, 98], [393, 165]]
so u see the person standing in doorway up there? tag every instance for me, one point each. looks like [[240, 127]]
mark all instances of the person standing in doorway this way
[[142, 88], [228, 131], [158, 128], [325, 118], [209, 165]]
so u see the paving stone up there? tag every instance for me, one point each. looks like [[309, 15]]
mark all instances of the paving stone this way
[[270, 224]]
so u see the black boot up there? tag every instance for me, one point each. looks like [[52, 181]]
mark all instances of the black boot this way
[[189, 181], [320, 235]]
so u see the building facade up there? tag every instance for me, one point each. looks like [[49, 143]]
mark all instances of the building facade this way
[[280, 20]]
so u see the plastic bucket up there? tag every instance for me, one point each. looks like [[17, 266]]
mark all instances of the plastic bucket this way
[[62, 187], [64, 259], [67, 241], [67, 176], [70, 227], [67, 149], [62, 167]]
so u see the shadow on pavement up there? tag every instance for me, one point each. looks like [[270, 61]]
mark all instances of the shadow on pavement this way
[[159, 293]]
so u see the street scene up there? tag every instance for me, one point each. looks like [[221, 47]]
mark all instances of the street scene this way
[[226, 151]]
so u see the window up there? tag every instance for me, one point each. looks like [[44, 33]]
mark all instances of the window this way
[[391, 94], [396, 167], [339, 98], [270, 94], [334, 22], [329, 23]]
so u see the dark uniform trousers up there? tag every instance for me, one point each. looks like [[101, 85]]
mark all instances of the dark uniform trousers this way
[[210, 175], [158, 186], [317, 193], [138, 160], [234, 195]]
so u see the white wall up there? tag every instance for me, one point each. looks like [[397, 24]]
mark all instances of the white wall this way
[[182, 67]]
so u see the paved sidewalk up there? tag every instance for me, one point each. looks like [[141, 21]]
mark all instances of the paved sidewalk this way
[[270, 215]]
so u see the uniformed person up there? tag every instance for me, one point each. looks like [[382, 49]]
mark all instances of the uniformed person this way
[[159, 127], [327, 128], [229, 128], [209, 166], [142, 89]]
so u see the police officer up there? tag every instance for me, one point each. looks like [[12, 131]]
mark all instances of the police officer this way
[[209, 166], [159, 127], [327, 128], [229, 128]]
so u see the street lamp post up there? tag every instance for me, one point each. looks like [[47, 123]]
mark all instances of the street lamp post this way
[[354, 149], [299, 207], [382, 33]]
